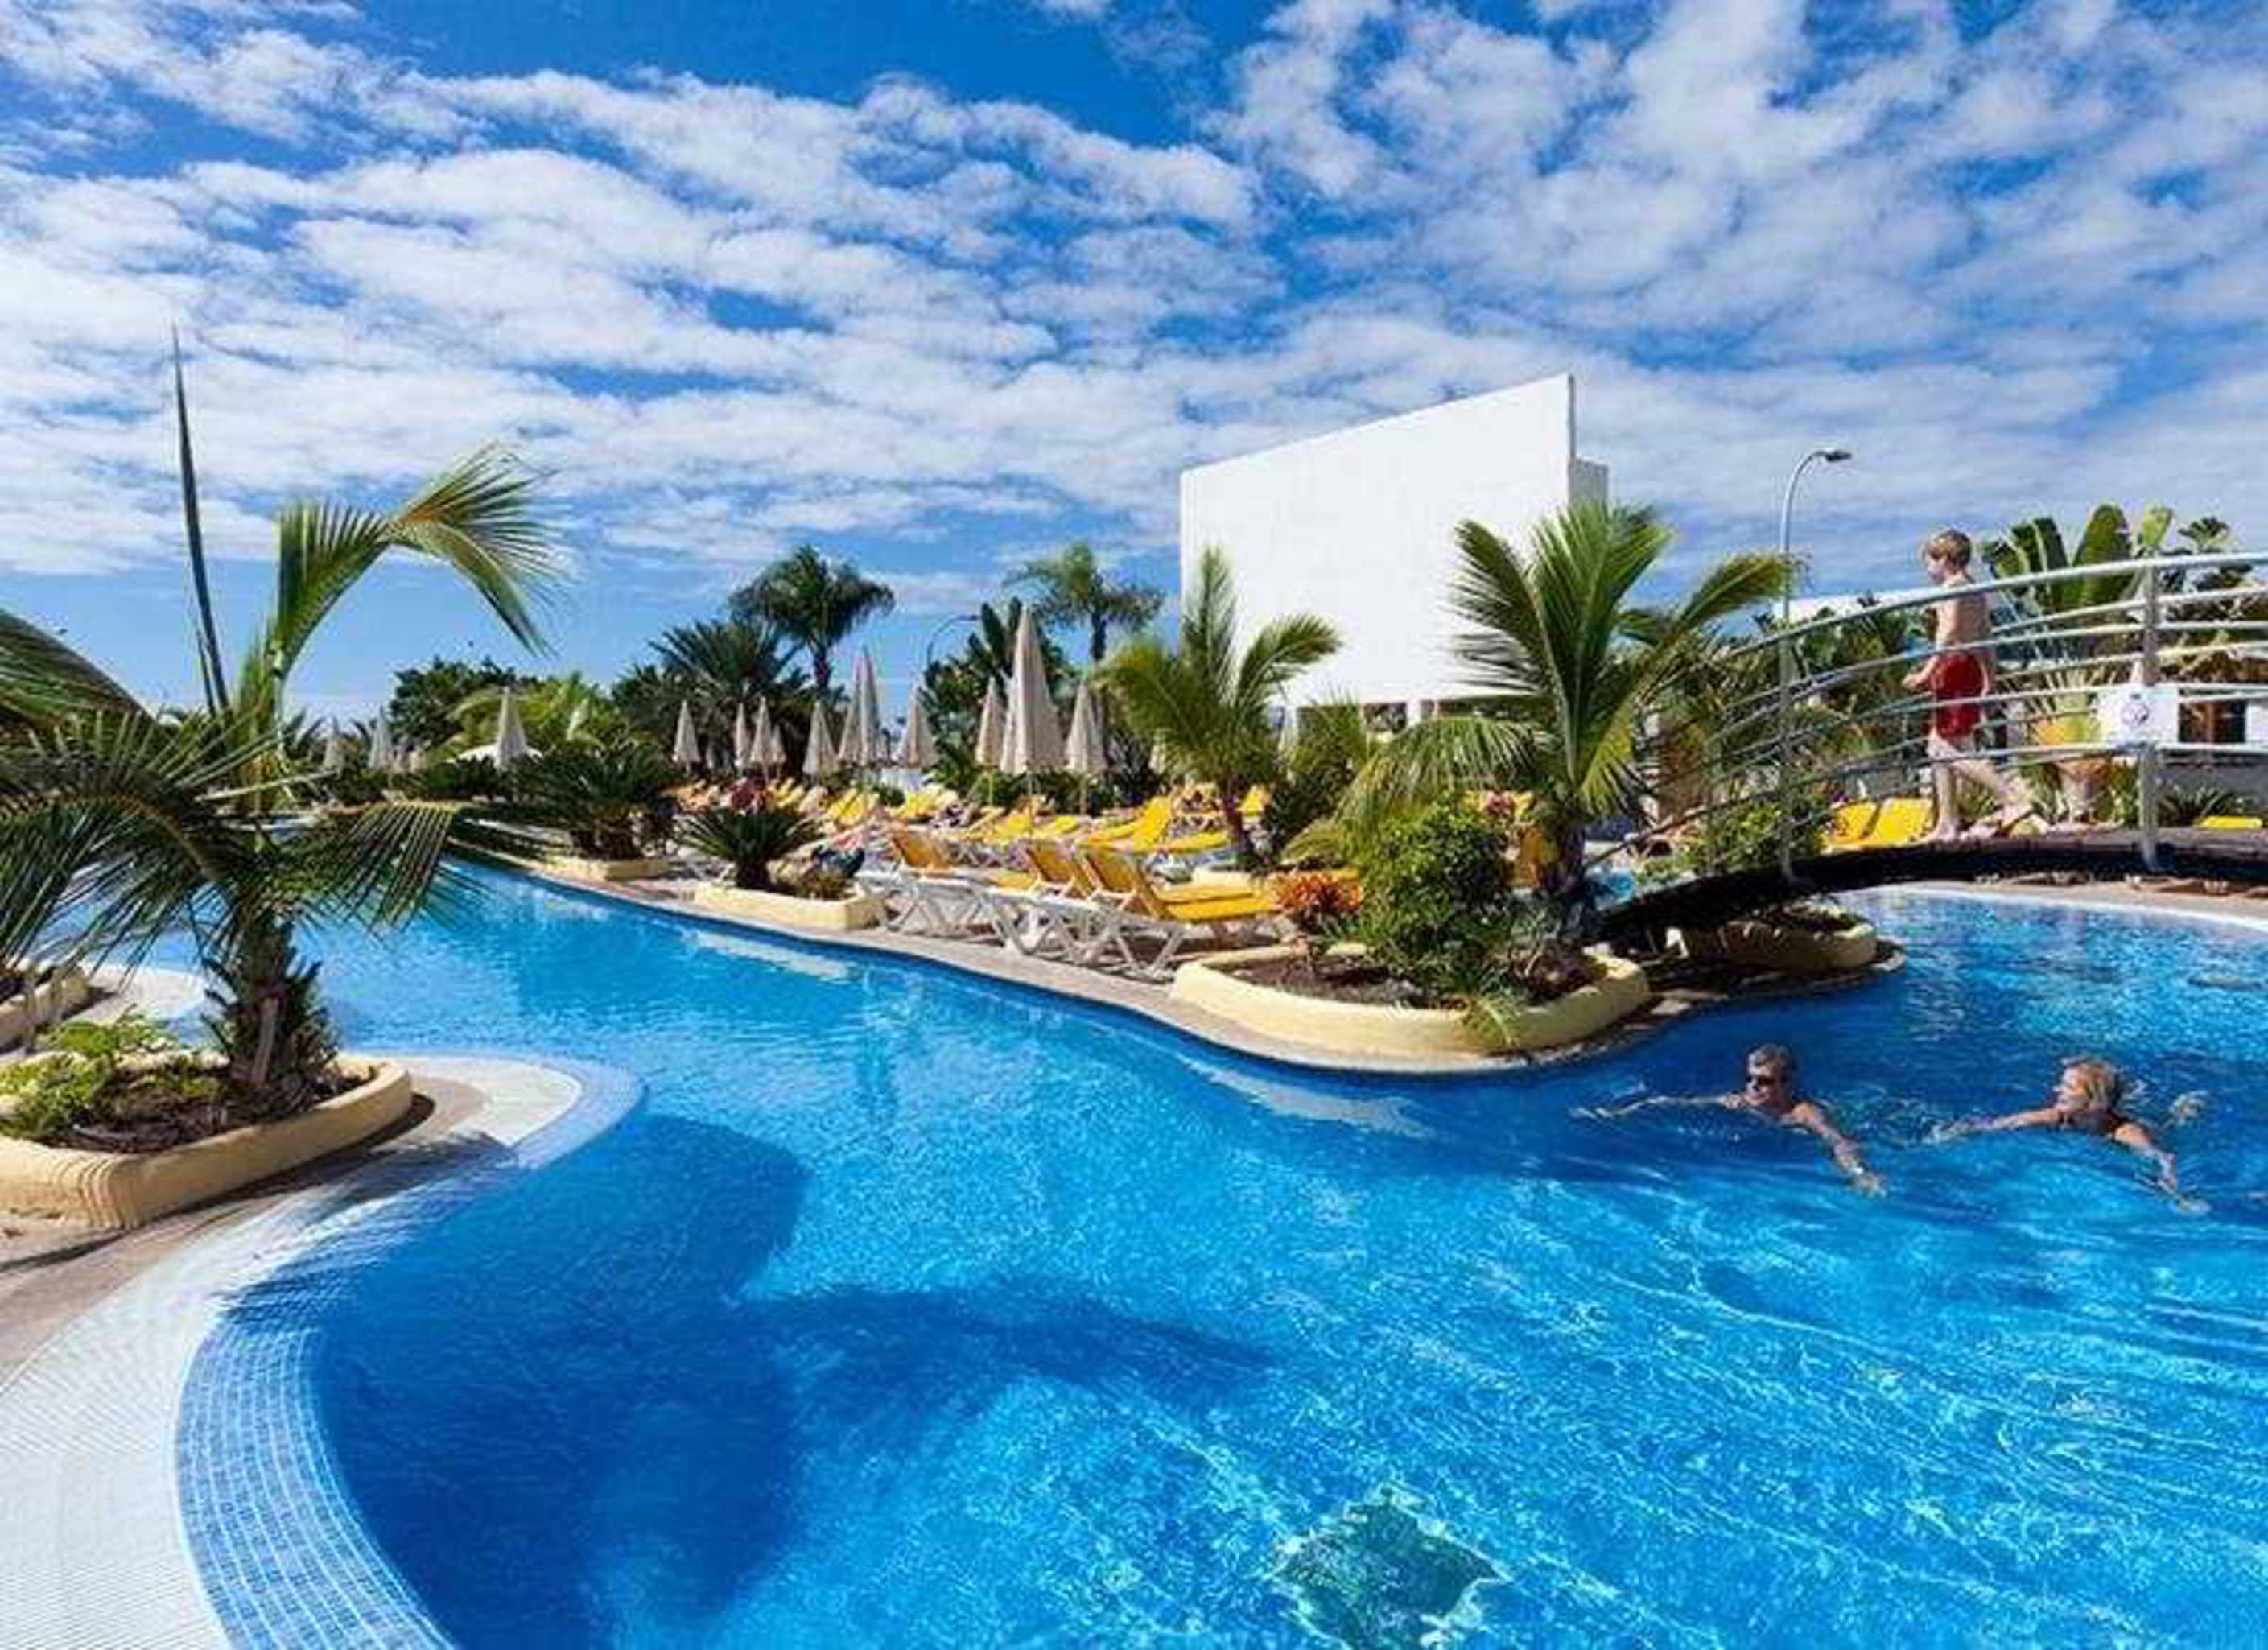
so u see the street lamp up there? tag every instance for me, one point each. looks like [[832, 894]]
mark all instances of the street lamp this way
[[1817, 455], [1820, 455], [929, 648]]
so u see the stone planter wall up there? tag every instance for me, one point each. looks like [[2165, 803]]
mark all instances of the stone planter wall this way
[[790, 910], [1759, 943], [1366, 1028], [121, 1188], [608, 870], [44, 1005]]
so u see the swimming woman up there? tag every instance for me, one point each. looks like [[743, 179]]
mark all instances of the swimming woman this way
[[2089, 1099]]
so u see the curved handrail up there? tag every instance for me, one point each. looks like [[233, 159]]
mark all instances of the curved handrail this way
[[1791, 738]]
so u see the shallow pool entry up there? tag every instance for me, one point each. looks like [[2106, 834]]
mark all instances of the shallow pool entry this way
[[1379, 1576]]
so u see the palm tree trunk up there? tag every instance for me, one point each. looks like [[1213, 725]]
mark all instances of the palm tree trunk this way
[[273, 1036], [1564, 885], [1098, 638], [1239, 839]]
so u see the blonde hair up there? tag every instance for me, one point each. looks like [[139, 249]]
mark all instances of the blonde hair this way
[[1949, 544], [2100, 1083], [1777, 1056]]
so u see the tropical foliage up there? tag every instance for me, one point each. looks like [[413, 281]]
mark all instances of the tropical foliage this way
[[554, 711], [1329, 748], [118, 825], [423, 711], [1207, 705], [955, 686], [1073, 588], [813, 602], [719, 667], [609, 798], [1437, 890], [1570, 663], [749, 841]]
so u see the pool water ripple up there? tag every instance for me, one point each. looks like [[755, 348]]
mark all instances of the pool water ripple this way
[[911, 1311]]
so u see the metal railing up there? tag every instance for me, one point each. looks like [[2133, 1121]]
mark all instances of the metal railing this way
[[1806, 707]]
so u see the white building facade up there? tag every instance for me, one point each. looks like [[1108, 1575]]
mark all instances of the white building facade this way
[[1358, 528]]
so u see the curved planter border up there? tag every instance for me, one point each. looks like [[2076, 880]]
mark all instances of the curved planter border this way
[[116, 1189], [1790, 950], [1372, 1029], [608, 870], [819, 917], [44, 1004]]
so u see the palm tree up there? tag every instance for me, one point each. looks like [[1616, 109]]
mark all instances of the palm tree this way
[[1205, 705], [815, 603], [721, 664], [1572, 663], [554, 711], [118, 824], [750, 840], [1073, 588]]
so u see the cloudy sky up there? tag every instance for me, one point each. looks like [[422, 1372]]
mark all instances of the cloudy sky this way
[[938, 284]]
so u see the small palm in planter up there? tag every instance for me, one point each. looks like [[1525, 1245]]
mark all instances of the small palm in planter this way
[[749, 840], [610, 800]]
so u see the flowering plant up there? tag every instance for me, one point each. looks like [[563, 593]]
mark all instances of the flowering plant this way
[[1318, 901]]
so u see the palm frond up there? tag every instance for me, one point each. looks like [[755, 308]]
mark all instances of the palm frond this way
[[478, 519], [210, 671], [45, 682]]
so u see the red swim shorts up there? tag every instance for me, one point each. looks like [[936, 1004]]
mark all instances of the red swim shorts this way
[[1957, 677]]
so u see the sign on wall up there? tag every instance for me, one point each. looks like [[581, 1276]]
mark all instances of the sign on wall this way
[[2131, 714]]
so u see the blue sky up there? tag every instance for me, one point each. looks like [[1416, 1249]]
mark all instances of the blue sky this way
[[939, 284]]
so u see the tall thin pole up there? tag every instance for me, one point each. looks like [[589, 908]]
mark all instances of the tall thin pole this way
[[1786, 651], [2149, 762]]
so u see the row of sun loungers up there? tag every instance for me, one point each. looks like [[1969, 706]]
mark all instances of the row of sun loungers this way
[[1087, 901]]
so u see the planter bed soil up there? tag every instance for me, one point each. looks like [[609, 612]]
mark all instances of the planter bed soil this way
[[150, 1113], [1341, 980]]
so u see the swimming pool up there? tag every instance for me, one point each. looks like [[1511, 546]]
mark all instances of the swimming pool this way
[[911, 1309]]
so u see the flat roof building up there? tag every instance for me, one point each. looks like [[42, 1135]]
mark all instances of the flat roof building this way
[[1357, 527]]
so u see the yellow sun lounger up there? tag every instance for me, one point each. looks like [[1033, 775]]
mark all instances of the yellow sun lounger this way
[[2230, 822], [1137, 906], [1904, 819], [1143, 831], [1850, 824]]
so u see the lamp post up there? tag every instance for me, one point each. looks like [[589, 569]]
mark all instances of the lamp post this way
[[1821, 455], [929, 648]]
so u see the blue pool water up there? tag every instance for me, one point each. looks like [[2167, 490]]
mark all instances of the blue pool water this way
[[912, 1310]]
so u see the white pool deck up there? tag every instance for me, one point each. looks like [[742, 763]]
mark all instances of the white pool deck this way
[[95, 1549]]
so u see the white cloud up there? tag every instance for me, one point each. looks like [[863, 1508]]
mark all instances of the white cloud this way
[[2011, 269]]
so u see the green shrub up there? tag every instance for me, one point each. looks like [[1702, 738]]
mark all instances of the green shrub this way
[[1437, 897], [456, 780], [71, 1084], [1332, 745], [611, 798], [1744, 836], [750, 840], [1297, 801], [349, 787]]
